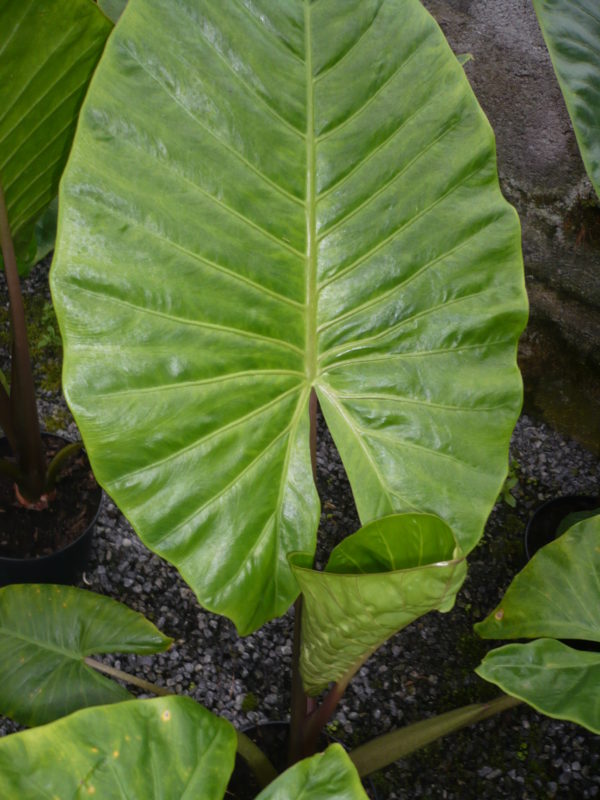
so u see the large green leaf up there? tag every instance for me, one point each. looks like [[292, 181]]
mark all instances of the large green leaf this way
[[557, 594], [327, 775], [48, 52], [553, 678], [377, 582], [168, 749], [572, 33], [46, 632], [265, 198]]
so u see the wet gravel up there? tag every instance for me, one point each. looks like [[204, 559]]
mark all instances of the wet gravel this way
[[425, 670]]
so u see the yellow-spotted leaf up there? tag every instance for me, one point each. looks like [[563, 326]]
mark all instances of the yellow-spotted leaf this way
[[377, 582], [46, 632], [168, 748], [263, 199]]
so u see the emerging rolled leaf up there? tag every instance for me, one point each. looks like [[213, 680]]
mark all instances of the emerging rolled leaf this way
[[169, 748], [327, 775], [46, 632], [572, 33], [48, 52], [553, 678], [266, 198], [557, 594], [377, 581]]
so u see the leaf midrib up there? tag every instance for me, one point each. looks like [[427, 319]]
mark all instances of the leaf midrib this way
[[310, 212], [71, 654]]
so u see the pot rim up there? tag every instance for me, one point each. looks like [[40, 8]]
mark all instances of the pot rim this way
[[589, 500]]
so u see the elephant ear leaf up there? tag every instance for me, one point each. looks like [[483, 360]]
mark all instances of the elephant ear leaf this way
[[169, 748], [326, 775], [47, 55], [555, 679], [266, 199], [572, 34], [556, 595], [46, 632], [377, 582]]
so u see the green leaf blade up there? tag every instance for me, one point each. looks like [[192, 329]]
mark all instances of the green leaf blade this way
[[556, 594], [192, 291], [326, 775], [47, 58], [169, 747], [572, 32], [46, 632], [419, 253], [553, 678], [378, 580]]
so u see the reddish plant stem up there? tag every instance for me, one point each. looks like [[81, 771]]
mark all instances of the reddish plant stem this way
[[298, 700], [321, 715], [22, 423], [301, 704]]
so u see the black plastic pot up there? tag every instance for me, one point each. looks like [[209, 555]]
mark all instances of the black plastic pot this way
[[543, 527], [272, 738], [61, 566]]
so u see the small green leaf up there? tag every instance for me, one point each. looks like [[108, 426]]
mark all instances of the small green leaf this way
[[377, 581], [49, 52], [572, 33], [557, 594], [169, 748], [326, 775], [553, 678], [46, 632]]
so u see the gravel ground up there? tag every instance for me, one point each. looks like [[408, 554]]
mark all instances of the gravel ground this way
[[425, 670]]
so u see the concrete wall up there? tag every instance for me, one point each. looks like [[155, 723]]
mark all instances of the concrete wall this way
[[542, 174]]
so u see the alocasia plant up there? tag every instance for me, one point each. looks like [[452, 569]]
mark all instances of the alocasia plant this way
[[270, 205]]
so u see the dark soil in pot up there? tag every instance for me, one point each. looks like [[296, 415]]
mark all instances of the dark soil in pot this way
[[273, 740], [52, 544]]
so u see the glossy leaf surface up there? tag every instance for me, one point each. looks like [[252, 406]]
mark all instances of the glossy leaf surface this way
[[553, 678], [294, 196], [572, 33], [48, 52], [170, 748], [377, 581], [326, 775], [557, 594], [45, 633]]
